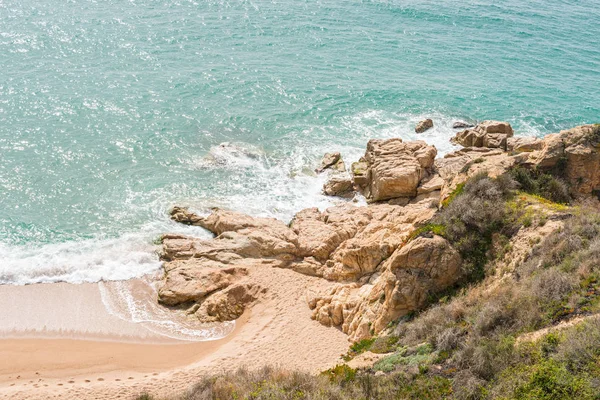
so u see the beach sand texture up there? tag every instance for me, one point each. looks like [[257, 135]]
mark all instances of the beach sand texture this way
[[104, 357]]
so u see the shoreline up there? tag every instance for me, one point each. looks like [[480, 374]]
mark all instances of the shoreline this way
[[99, 363], [81, 312]]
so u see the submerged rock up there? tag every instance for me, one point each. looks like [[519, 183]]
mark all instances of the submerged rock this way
[[424, 125], [331, 161], [462, 125]]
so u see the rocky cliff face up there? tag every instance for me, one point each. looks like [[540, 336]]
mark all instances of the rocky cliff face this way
[[376, 272]]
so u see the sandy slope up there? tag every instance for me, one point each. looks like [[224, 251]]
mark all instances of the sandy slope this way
[[278, 331]]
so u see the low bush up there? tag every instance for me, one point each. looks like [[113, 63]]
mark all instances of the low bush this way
[[542, 184], [471, 216]]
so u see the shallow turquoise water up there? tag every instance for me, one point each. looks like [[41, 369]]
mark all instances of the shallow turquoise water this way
[[113, 111]]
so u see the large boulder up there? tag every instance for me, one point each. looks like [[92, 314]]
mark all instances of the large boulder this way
[[424, 125], [185, 282], [316, 237], [339, 184], [393, 168], [491, 134], [229, 304]]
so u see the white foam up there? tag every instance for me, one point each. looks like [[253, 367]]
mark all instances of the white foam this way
[[135, 301], [233, 154], [90, 260]]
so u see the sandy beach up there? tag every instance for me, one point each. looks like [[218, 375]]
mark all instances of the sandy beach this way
[[100, 356]]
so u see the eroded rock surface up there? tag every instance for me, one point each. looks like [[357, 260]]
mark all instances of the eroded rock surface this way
[[572, 154], [393, 168], [492, 134], [575, 153], [331, 161], [346, 244], [339, 184], [414, 271]]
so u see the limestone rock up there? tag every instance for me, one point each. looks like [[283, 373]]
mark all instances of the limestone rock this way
[[229, 304], [424, 125], [331, 161], [338, 185], [185, 282], [395, 168], [491, 134]]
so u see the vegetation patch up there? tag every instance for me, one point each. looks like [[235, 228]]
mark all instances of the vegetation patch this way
[[476, 212], [358, 347], [456, 192], [341, 373], [542, 184]]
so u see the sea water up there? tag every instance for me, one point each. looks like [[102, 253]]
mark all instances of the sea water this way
[[111, 112]]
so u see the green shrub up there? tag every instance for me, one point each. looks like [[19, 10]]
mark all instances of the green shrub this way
[[358, 347], [550, 380], [476, 211], [542, 184], [340, 373], [384, 344]]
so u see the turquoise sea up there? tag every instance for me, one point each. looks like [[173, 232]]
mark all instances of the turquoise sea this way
[[113, 111]]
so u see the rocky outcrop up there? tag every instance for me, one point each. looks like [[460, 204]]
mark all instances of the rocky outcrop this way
[[422, 267], [424, 125], [229, 304], [346, 244], [186, 282], [491, 134], [371, 272], [393, 168], [524, 144], [574, 154]]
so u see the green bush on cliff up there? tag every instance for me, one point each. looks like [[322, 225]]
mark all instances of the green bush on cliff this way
[[471, 215], [541, 184]]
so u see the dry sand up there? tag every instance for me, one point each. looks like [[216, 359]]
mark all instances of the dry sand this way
[[100, 356]]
